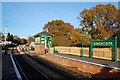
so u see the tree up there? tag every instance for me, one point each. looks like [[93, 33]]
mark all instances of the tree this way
[[101, 21], [30, 39], [60, 30], [9, 37], [16, 39], [23, 41], [2, 36], [76, 38], [61, 41]]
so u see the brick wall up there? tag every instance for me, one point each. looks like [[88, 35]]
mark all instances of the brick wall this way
[[103, 72], [39, 49]]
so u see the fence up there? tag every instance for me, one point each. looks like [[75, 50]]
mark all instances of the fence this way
[[101, 53]]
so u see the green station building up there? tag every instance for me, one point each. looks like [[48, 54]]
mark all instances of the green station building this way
[[43, 42]]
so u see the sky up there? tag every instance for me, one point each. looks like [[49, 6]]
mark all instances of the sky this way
[[60, 0], [28, 18]]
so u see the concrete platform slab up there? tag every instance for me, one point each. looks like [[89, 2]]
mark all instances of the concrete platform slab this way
[[7, 68]]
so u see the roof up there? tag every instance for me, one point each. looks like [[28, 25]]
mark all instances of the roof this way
[[44, 33]]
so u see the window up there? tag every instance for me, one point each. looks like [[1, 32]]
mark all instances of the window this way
[[38, 39], [35, 39], [42, 39]]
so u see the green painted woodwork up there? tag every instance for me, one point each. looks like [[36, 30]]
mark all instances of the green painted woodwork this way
[[115, 50], [55, 50], [103, 43], [42, 40], [39, 43], [82, 46], [91, 48], [109, 43]]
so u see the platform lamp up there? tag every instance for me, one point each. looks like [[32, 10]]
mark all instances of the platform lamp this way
[[83, 45]]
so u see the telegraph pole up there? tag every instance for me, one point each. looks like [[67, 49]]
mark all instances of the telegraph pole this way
[[5, 33]]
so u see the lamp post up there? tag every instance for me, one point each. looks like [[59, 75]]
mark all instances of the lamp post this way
[[83, 45]]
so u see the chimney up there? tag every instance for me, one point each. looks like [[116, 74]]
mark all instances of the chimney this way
[[46, 30]]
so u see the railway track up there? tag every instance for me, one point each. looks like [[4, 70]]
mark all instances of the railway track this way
[[43, 70], [27, 70], [31, 67]]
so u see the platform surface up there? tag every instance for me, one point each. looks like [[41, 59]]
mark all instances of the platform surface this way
[[8, 71], [98, 61]]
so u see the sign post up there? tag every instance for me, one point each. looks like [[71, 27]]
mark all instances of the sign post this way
[[91, 46], [115, 49], [109, 43]]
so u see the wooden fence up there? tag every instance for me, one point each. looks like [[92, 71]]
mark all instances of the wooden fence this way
[[101, 53]]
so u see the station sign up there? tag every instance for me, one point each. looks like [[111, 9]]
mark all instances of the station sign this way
[[103, 43], [108, 43]]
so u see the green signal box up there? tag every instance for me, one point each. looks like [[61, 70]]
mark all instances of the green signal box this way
[[43, 42]]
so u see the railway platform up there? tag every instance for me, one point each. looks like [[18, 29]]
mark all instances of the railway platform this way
[[102, 68], [8, 71], [100, 62]]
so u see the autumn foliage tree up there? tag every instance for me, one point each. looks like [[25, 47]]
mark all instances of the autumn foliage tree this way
[[76, 38], [101, 21], [16, 39], [61, 32], [30, 39], [23, 41], [2, 36]]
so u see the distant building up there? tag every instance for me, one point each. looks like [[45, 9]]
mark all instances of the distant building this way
[[2, 37]]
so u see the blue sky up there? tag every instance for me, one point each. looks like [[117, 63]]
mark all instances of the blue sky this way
[[60, 0], [28, 18]]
